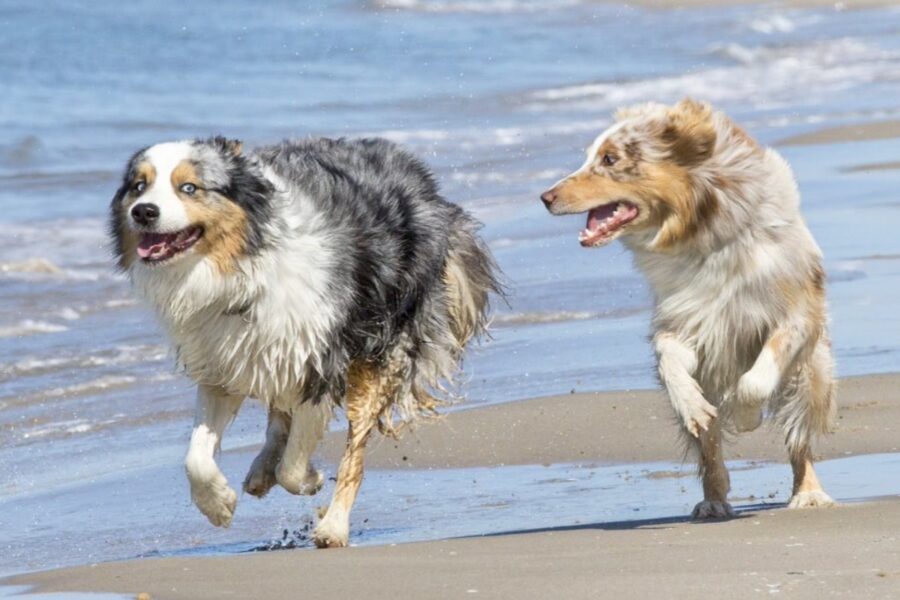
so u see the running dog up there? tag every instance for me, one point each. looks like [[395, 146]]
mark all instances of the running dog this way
[[309, 275], [740, 321]]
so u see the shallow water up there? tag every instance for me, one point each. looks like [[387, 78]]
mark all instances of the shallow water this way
[[501, 103], [146, 511]]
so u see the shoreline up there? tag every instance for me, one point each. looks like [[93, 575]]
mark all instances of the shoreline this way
[[850, 547]]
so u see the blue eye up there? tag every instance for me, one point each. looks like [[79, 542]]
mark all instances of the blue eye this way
[[188, 188], [140, 186]]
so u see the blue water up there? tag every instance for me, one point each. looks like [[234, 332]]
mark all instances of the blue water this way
[[500, 96]]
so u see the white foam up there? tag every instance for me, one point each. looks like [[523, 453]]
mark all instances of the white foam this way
[[772, 24], [474, 138], [119, 356], [477, 6], [120, 303], [73, 426], [402, 136], [483, 176], [31, 265], [30, 327], [68, 313], [85, 388], [55, 247], [764, 77]]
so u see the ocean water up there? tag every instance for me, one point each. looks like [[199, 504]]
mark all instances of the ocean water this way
[[499, 96]]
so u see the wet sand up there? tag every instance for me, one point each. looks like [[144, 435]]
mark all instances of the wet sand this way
[[885, 166], [859, 132], [850, 549]]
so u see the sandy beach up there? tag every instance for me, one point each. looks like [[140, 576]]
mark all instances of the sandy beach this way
[[851, 549], [616, 427]]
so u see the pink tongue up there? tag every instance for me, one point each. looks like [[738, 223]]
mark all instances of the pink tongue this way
[[600, 214], [153, 243]]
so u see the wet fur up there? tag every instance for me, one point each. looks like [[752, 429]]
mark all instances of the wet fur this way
[[740, 320], [321, 258]]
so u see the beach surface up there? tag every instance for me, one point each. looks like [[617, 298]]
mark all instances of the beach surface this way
[[850, 550]]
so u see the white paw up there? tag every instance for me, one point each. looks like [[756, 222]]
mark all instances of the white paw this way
[[700, 417], [307, 483], [215, 500], [332, 532], [260, 479], [813, 499], [712, 509]]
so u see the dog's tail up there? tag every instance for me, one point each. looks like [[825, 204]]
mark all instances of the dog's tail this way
[[452, 317], [471, 276]]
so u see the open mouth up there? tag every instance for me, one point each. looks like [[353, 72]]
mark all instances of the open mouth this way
[[159, 247], [605, 222]]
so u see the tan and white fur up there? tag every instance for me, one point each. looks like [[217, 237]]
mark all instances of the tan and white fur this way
[[740, 320]]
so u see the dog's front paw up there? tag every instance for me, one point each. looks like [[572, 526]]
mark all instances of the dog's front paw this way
[[332, 532], [712, 509], [700, 417], [215, 500], [307, 483], [811, 499]]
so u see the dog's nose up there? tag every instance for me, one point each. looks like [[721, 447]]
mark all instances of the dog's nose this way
[[548, 197], [145, 213]]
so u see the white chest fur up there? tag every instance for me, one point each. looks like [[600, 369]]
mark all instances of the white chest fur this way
[[254, 331]]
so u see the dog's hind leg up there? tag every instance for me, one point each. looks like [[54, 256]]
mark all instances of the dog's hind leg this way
[[294, 472], [806, 409], [787, 344], [714, 475], [261, 476], [365, 402], [209, 489]]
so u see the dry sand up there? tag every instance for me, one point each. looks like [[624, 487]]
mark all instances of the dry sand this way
[[851, 550], [617, 427]]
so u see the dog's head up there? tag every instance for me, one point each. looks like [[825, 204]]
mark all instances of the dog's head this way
[[639, 177], [198, 198]]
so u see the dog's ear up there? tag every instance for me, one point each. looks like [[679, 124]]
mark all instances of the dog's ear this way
[[689, 133], [226, 146], [117, 211]]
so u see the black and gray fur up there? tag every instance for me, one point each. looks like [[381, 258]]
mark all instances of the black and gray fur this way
[[399, 235]]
